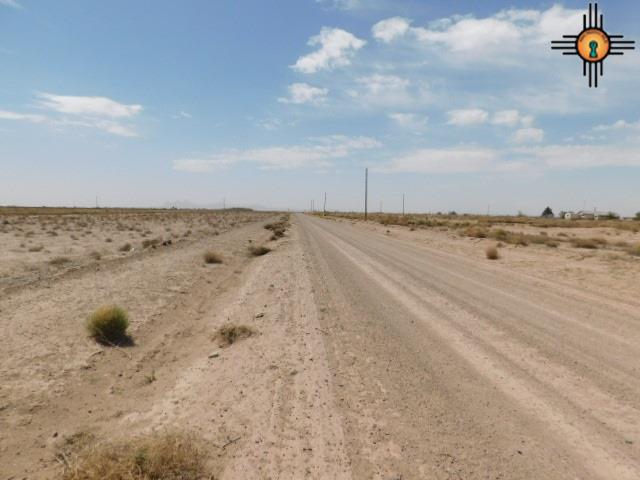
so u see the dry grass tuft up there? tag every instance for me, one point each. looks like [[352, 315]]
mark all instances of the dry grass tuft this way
[[492, 253], [212, 257], [590, 243], [635, 250], [169, 456], [229, 334], [278, 228], [153, 242], [125, 248], [59, 261], [476, 232], [258, 251], [109, 325]]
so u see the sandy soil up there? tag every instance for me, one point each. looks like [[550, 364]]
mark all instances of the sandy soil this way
[[379, 353], [36, 247]]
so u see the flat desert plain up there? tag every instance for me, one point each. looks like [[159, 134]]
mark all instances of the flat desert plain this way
[[344, 349]]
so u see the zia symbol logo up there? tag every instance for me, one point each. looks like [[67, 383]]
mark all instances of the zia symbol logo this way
[[593, 45]]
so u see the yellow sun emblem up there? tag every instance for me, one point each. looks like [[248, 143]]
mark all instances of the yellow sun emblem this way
[[593, 45]]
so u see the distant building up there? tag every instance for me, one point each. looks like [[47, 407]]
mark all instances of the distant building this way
[[587, 215]]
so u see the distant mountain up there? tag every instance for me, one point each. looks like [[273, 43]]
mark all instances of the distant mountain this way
[[186, 204]]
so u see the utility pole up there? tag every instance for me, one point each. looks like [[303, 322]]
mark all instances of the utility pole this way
[[380, 206], [224, 203], [366, 191], [403, 204], [324, 207]]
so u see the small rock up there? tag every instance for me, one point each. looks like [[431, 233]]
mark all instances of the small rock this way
[[214, 355], [260, 315]]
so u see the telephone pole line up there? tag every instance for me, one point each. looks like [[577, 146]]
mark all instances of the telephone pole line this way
[[324, 207], [403, 204], [366, 191]]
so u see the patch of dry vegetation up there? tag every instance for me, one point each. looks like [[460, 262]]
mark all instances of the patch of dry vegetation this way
[[278, 228], [169, 456], [635, 250], [212, 257], [492, 252], [125, 248], [589, 243], [108, 324], [153, 242], [230, 333], [258, 251], [58, 261]]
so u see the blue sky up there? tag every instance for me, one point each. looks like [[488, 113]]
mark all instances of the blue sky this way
[[459, 105]]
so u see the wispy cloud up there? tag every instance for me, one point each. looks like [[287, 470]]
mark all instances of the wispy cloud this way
[[528, 135], [300, 93], [503, 36], [26, 117], [573, 157], [388, 30], [409, 121], [535, 159], [511, 118], [94, 106], [10, 3], [445, 161], [618, 125], [336, 48], [87, 112], [467, 117], [320, 152], [182, 114]]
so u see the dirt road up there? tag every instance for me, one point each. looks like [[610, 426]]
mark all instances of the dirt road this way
[[451, 368], [374, 357]]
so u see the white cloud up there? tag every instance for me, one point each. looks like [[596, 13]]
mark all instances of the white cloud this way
[[389, 91], [390, 29], [619, 125], [445, 161], [87, 112], [350, 5], [92, 106], [381, 84], [320, 152], [409, 121], [300, 93], [582, 156], [114, 128], [501, 37], [511, 118], [182, 114], [269, 124], [337, 47], [467, 117], [342, 4], [6, 115], [10, 3], [531, 159], [108, 126], [528, 135]]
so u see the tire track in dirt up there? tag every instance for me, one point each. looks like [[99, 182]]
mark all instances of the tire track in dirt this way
[[546, 391]]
